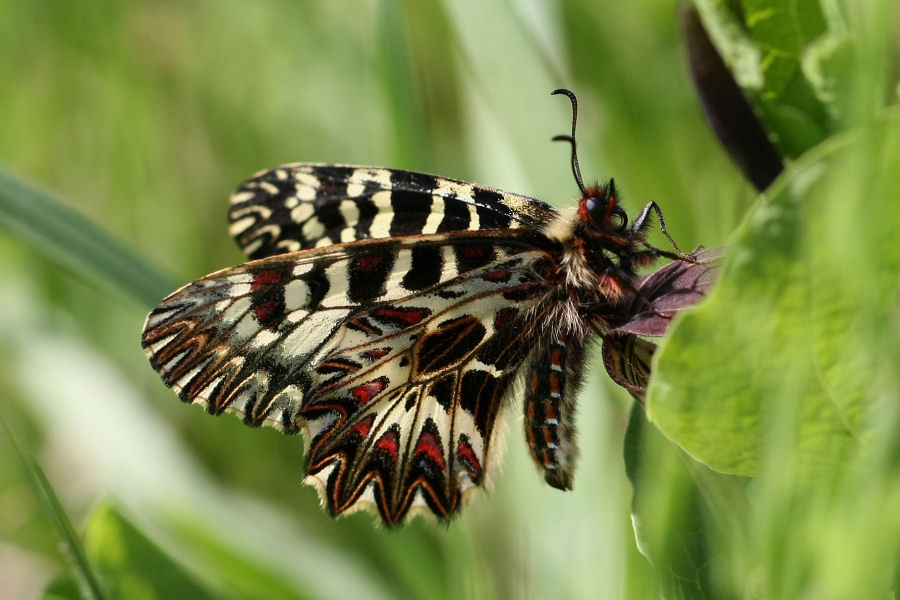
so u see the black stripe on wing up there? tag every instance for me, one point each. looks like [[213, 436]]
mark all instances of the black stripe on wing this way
[[304, 205], [396, 381]]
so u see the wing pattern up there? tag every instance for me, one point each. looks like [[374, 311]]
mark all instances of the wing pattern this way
[[304, 205], [389, 316], [394, 366]]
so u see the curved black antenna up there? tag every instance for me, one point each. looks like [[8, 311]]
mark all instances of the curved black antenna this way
[[576, 170]]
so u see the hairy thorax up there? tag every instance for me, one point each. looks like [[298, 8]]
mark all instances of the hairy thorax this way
[[589, 283]]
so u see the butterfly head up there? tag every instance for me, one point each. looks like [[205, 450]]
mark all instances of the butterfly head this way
[[599, 209]]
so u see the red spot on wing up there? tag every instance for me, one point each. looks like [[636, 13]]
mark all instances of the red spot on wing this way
[[474, 251], [389, 443], [267, 310], [375, 353], [363, 428], [498, 276], [429, 445], [362, 324], [469, 460], [364, 392], [265, 278], [329, 187], [368, 263], [505, 316], [406, 316], [338, 365]]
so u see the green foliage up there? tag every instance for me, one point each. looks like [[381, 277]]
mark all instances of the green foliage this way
[[68, 238], [131, 565], [143, 116], [791, 343], [793, 59], [83, 580], [786, 371]]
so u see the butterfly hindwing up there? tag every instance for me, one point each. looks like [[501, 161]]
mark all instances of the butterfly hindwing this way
[[305, 205], [395, 373], [412, 427]]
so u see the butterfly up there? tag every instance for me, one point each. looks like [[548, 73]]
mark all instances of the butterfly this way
[[391, 316]]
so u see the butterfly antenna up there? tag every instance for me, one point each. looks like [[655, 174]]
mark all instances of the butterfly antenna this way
[[576, 170]]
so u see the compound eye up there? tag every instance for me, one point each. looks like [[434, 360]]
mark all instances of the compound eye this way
[[592, 204]]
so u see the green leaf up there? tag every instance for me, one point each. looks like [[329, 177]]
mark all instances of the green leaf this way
[[788, 58], [782, 30], [37, 218], [793, 351], [681, 511], [665, 511], [132, 565], [237, 569], [63, 587]]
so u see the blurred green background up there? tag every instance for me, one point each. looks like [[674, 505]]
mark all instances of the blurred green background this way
[[142, 117]]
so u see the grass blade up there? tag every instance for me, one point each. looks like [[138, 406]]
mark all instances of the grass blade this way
[[88, 585], [64, 236]]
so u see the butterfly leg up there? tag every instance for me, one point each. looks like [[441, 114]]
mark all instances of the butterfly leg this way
[[551, 386], [639, 227]]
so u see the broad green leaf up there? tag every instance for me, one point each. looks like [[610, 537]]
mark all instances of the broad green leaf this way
[[790, 58], [63, 587], [132, 566], [794, 349], [681, 511], [666, 511], [783, 31]]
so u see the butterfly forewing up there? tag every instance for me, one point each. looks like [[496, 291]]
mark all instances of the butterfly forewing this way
[[304, 205], [396, 374]]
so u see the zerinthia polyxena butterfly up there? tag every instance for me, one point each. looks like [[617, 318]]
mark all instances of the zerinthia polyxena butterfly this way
[[390, 316]]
